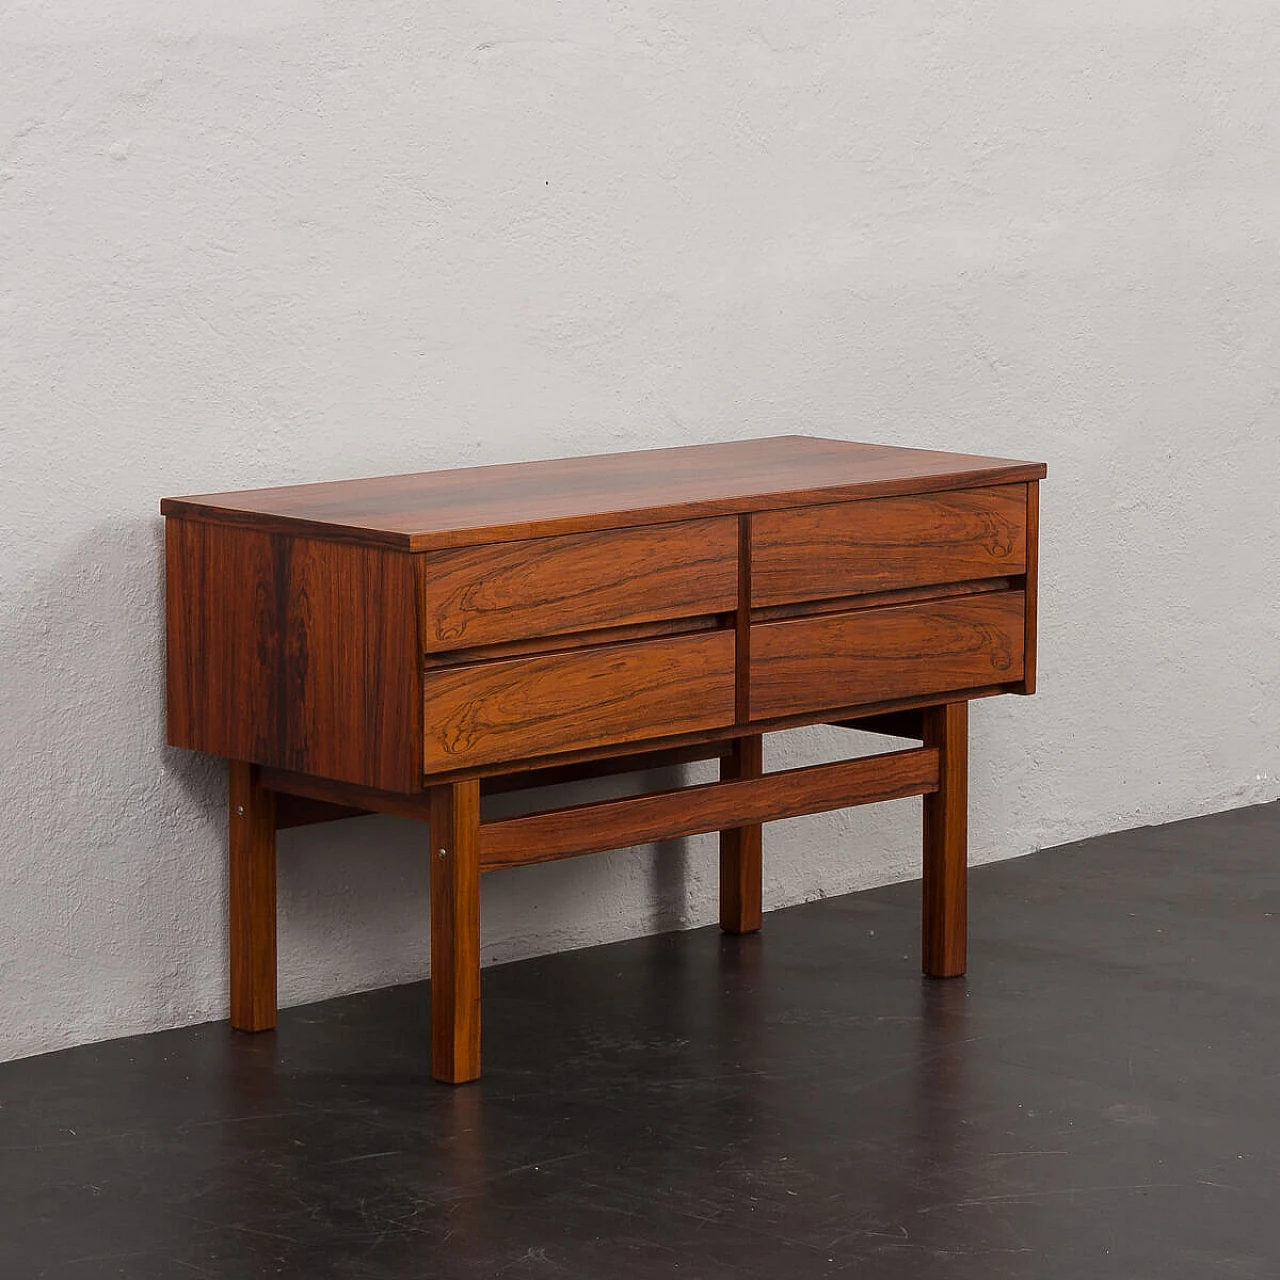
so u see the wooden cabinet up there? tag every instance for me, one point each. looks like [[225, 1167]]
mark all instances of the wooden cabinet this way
[[399, 644]]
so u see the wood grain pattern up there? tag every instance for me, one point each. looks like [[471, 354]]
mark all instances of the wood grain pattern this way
[[946, 850], [810, 664], [742, 848], [475, 505], [224, 640], [455, 932], [251, 846], [1033, 589], [888, 544], [350, 666], [711, 806], [548, 586], [296, 653], [522, 707]]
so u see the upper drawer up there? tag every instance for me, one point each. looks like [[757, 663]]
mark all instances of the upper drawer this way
[[882, 544], [518, 708], [580, 582]]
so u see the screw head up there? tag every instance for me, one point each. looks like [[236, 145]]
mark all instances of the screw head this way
[[240, 810], [441, 853]]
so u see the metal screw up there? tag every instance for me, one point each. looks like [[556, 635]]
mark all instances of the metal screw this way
[[240, 810], [442, 853]]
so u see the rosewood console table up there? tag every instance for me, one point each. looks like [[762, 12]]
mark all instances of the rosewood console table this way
[[404, 644]]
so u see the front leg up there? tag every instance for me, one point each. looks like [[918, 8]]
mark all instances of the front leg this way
[[455, 932], [251, 847]]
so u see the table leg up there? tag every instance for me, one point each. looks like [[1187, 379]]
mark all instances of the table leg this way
[[741, 863], [455, 932], [946, 853], [251, 846]]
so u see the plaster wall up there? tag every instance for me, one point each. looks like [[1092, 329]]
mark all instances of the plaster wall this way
[[302, 240]]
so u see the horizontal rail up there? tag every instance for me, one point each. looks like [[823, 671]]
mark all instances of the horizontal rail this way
[[711, 806]]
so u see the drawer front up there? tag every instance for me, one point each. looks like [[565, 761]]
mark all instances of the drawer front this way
[[518, 708], [580, 582], [884, 544], [873, 655]]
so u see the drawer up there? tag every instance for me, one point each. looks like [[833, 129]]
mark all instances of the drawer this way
[[873, 655], [884, 544], [518, 708], [505, 591]]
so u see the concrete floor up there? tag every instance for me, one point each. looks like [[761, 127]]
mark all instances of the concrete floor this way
[[1099, 1098]]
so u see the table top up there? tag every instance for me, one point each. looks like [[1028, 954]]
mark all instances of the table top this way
[[465, 506]]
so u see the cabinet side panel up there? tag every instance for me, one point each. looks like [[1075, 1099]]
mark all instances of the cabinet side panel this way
[[223, 644], [1033, 586], [350, 674], [295, 653]]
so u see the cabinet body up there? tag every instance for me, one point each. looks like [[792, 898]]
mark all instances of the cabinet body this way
[[353, 655]]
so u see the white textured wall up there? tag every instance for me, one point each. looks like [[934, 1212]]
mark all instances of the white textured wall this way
[[258, 244]]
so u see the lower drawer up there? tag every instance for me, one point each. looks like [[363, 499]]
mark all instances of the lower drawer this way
[[519, 708], [874, 655]]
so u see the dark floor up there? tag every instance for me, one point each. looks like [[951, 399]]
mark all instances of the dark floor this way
[[1100, 1098]]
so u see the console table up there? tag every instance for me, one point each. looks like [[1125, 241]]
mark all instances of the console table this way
[[406, 644]]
